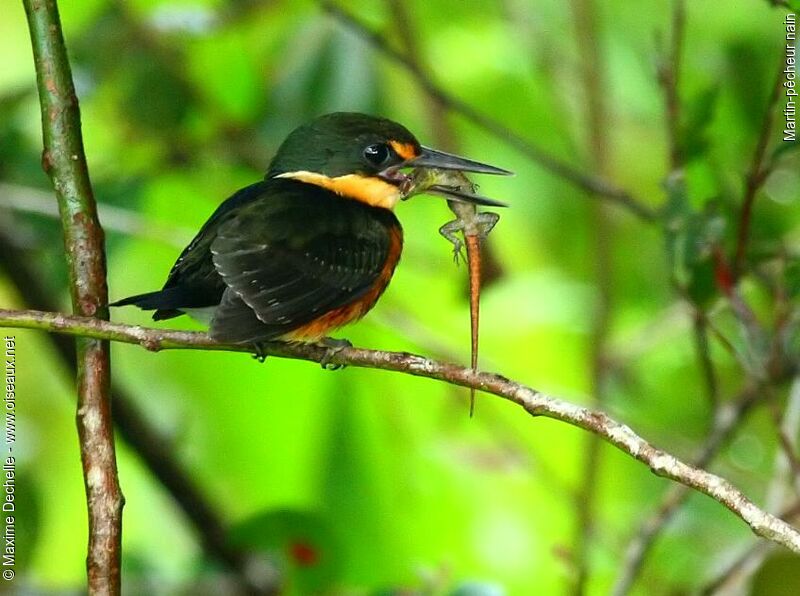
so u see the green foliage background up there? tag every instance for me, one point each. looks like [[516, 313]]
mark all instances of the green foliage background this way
[[384, 475]]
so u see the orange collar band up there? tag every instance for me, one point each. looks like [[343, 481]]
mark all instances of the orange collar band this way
[[367, 189]]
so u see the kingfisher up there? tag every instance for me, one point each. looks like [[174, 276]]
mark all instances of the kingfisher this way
[[313, 245]]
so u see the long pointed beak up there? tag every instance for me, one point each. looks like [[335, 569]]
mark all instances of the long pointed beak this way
[[439, 173], [451, 193], [432, 158]]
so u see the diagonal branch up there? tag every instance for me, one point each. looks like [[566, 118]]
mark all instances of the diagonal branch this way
[[588, 36], [756, 174], [534, 402], [65, 162], [728, 419], [591, 184], [746, 564]]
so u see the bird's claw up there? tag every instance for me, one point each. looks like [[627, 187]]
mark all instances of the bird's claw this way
[[333, 347], [259, 352]]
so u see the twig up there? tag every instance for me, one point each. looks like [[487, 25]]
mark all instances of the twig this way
[[26, 199], [534, 402], [669, 72], [669, 77], [593, 79], [703, 349], [757, 173], [591, 184], [64, 160], [442, 131], [736, 575], [728, 419], [748, 562], [732, 579], [787, 424]]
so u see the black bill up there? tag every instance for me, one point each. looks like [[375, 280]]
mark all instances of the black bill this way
[[443, 174], [431, 158]]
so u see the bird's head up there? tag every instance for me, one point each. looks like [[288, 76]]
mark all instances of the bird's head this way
[[363, 157]]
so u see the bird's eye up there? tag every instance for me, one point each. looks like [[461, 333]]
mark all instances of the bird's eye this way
[[377, 154]]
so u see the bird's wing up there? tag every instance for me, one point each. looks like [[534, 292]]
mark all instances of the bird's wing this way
[[193, 281], [290, 258]]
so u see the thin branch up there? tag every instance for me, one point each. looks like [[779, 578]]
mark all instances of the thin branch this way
[[442, 132], [732, 580], [603, 229], [64, 160], [703, 350], [591, 184], [25, 199], [744, 566], [669, 72], [787, 424], [534, 402], [727, 420], [757, 173], [669, 77]]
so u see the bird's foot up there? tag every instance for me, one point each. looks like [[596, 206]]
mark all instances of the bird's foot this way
[[259, 352], [333, 347]]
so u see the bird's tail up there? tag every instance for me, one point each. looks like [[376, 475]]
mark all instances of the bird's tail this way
[[162, 301]]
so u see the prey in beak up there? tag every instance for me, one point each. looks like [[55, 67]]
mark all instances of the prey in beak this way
[[443, 174], [439, 173]]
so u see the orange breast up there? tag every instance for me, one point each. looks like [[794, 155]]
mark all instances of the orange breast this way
[[321, 326]]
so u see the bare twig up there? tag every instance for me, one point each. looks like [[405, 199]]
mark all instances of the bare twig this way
[[669, 72], [744, 566], [787, 424], [442, 131], [591, 184], [64, 160], [728, 419], [741, 570], [26, 199], [534, 402], [757, 173], [669, 76], [593, 79], [703, 349]]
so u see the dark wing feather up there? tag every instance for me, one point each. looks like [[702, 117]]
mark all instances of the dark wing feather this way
[[193, 282], [290, 257]]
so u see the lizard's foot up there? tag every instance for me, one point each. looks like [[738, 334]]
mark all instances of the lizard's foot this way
[[449, 231], [458, 252], [259, 353], [333, 346]]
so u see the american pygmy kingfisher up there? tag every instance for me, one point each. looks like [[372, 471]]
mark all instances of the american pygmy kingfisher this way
[[313, 245]]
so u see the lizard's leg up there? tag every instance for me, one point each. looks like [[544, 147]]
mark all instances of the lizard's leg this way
[[450, 231]]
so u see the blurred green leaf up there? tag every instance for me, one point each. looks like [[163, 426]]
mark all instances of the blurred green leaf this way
[[27, 517], [783, 565], [300, 542], [699, 111]]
